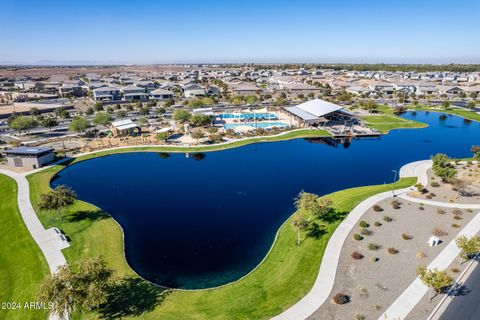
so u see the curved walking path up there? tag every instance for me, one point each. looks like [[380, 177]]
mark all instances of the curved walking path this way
[[326, 276], [49, 243]]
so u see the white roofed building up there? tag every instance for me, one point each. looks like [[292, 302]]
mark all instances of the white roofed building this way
[[315, 112], [124, 128]]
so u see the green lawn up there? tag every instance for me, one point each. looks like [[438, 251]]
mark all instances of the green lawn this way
[[386, 122], [22, 265], [283, 278]]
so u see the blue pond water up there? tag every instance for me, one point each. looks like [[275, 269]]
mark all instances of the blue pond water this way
[[209, 219]]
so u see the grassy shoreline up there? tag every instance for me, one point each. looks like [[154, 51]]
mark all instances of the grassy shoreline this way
[[22, 264], [285, 276]]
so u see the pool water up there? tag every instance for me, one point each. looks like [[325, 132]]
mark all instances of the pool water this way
[[208, 219], [255, 125], [249, 116]]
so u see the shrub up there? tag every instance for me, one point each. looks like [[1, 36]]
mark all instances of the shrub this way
[[377, 224], [455, 225], [366, 232], [341, 298], [387, 219], [359, 316], [377, 208], [392, 250], [421, 208], [433, 195], [363, 224], [375, 259], [441, 211], [457, 217], [407, 236], [421, 255], [357, 255], [455, 270], [373, 246], [396, 204], [457, 212], [357, 237], [435, 184], [439, 232], [428, 196]]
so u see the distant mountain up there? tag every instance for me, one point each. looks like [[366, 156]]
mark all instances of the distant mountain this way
[[59, 63]]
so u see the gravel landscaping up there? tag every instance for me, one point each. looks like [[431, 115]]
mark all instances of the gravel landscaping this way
[[375, 270], [444, 192]]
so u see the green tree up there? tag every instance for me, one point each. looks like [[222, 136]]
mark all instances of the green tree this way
[[49, 123], [23, 123], [58, 199], [442, 167], [34, 111], [200, 120], [98, 106], [197, 135], [301, 224], [237, 100], [445, 104], [251, 99], [434, 278], [181, 115], [471, 105], [469, 246], [307, 202], [168, 103], [102, 118], [78, 124], [90, 111], [476, 152], [81, 287], [283, 95], [121, 113], [215, 138], [162, 136]]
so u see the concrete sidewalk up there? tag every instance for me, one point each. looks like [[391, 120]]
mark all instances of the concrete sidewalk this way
[[326, 276], [50, 245]]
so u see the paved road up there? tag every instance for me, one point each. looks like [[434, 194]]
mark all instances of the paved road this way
[[466, 307]]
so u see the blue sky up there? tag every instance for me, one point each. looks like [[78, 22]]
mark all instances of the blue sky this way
[[142, 31]]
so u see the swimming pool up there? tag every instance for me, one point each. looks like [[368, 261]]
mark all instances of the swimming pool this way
[[255, 125], [259, 116]]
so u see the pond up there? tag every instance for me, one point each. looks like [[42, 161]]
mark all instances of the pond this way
[[207, 219]]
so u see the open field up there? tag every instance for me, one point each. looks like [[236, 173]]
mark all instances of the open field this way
[[266, 291], [22, 265]]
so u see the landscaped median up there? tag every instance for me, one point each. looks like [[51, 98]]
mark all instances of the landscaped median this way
[[22, 265], [284, 277]]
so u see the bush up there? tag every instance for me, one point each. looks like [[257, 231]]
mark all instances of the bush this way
[[457, 217], [441, 211], [366, 232], [359, 316], [396, 204], [377, 208], [357, 237], [455, 270], [378, 224], [373, 247], [407, 236], [375, 259], [387, 219], [435, 184], [357, 255], [439, 232], [421, 255], [341, 298], [421, 208], [457, 212], [363, 224], [392, 250]]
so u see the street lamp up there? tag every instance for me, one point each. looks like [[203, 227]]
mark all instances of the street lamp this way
[[394, 181]]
